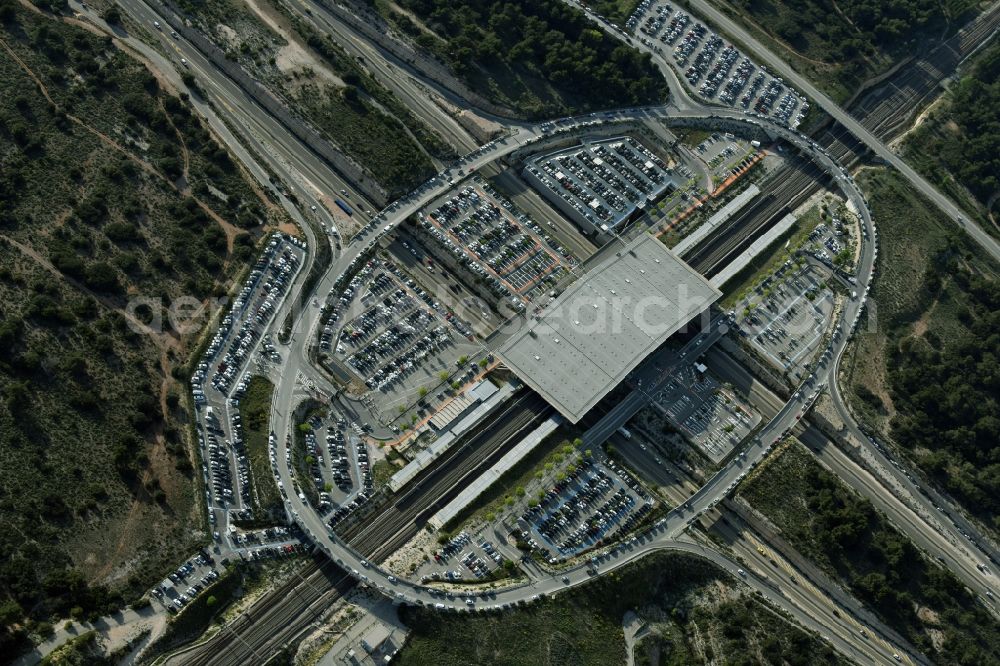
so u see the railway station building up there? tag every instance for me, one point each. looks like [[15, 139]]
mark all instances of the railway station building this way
[[581, 345]]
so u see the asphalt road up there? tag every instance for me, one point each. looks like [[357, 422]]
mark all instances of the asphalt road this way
[[838, 610], [311, 179], [667, 532], [668, 529], [936, 537], [391, 72], [298, 165], [951, 211]]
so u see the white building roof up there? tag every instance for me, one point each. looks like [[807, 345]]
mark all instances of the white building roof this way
[[585, 343]]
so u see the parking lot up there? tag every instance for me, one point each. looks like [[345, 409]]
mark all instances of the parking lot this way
[[710, 415], [834, 244], [188, 581], [226, 469], [478, 232], [467, 302], [396, 336], [340, 467], [595, 502], [251, 541], [786, 316], [723, 153], [465, 557], [252, 310], [196, 575], [600, 183], [714, 69]]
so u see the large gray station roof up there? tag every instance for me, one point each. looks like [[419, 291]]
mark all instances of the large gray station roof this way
[[586, 342]]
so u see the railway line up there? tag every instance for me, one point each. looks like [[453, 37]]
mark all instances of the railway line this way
[[883, 112], [900, 97], [790, 186], [289, 607], [284, 613], [290, 617], [400, 520]]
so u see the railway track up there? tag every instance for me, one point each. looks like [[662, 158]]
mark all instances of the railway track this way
[[282, 623], [895, 102], [790, 187], [737, 233], [285, 613], [400, 521], [311, 583], [884, 112]]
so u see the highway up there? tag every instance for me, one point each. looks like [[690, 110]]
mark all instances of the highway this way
[[798, 581], [898, 98], [936, 537], [672, 527], [797, 186], [388, 70], [170, 71], [929, 504], [310, 178], [416, 62], [281, 615], [840, 611], [953, 212], [666, 531], [939, 509], [297, 162]]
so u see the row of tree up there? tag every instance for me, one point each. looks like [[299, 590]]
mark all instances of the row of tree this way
[[972, 153], [528, 49], [885, 569]]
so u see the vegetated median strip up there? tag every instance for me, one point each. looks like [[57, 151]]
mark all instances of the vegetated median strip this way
[[301, 463], [255, 409], [846, 537], [544, 458], [782, 249], [929, 388]]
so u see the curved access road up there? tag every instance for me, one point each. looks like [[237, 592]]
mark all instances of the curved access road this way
[[311, 178], [666, 532]]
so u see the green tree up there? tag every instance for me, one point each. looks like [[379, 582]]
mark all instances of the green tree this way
[[112, 15]]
